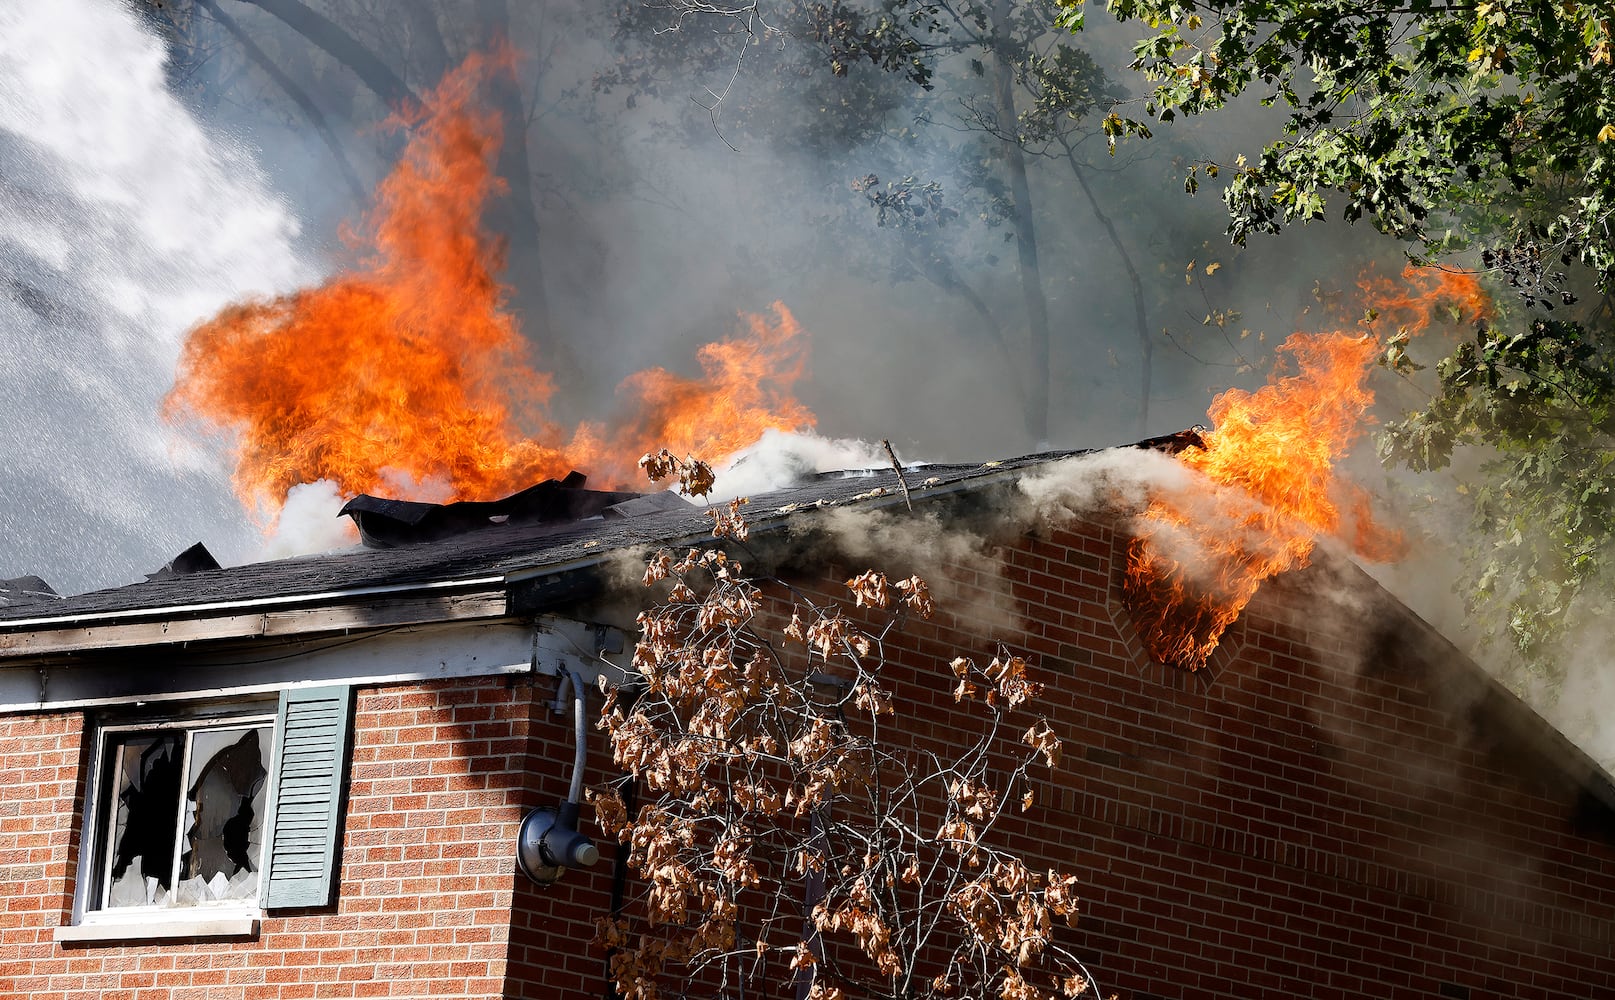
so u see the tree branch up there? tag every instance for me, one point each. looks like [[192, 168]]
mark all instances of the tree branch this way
[[297, 94], [428, 38], [341, 46]]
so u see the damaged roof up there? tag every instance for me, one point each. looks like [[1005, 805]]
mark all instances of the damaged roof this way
[[488, 572], [504, 550], [385, 523], [22, 590]]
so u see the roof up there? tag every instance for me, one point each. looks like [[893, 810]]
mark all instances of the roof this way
[[24, 590], [489, 567], [500, 552]]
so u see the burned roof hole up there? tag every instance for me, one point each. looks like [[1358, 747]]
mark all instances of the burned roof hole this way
[[196, 559]]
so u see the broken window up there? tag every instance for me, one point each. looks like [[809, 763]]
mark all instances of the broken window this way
[[183, 809]]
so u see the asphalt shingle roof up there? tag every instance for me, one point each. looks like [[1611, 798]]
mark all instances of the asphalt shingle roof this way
[[502, 550], [499, 550]]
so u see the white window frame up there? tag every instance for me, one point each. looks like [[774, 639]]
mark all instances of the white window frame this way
[[92, 919]]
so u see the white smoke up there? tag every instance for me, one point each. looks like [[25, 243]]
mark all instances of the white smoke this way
[[1117, 480], [780, 459], [310, 522], [122, 224]]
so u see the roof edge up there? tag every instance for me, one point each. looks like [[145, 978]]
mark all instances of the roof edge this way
[[292, 614]]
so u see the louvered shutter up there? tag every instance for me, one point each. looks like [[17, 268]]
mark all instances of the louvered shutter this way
[[311, 755]]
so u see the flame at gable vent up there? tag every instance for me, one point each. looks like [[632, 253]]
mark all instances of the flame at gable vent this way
[[1270, 486]]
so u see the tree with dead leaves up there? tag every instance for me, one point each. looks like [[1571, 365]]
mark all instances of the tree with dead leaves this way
[[789, 827]]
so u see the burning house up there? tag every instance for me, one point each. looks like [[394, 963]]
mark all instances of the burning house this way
[[361, 773], [309, 777]]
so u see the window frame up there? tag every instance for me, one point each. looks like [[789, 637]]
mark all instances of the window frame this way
[[310, 754], [104, 820], [92, 918]]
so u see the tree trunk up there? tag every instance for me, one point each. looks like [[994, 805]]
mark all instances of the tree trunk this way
[[1037, 306], [1146, 347], [341, 46], [431, 55], [941, 273]]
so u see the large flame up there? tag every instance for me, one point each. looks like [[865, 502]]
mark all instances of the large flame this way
[[1271, 483], [408, 367]]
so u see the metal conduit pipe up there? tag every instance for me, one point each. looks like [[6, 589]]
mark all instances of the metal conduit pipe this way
[[549, 841]]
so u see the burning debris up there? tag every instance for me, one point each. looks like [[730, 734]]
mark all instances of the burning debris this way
[[387, 523]]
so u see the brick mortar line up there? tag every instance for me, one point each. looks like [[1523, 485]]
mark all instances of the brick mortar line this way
[[1352, 871]]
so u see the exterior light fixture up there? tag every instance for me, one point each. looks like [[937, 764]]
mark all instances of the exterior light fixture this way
[[549, 843]]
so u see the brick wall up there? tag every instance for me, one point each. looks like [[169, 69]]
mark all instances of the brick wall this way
[[552, 927], [40, 786], [438, 785], [1338, 807]]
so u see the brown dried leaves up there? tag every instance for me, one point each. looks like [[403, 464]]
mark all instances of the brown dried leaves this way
[[695, 477], [759, 775], [1006, 676], [871, 589]]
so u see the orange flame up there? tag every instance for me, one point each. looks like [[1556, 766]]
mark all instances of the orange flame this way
[[747, 390], [409, 365], [1197, 561], [1426, 294]]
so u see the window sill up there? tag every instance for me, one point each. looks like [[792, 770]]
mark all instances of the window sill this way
[[231, 924]]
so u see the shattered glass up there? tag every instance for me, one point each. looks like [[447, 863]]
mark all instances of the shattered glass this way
[[202, 847], [145, 826]]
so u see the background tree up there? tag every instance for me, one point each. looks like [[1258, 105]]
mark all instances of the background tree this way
[[1002, 119], [1477, 135]]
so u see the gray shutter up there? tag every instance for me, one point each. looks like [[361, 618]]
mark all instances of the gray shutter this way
[[310, 758]]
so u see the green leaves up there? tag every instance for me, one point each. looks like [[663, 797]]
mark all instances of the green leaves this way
[[1537, 407], [1389, 101], [1450, 127]]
